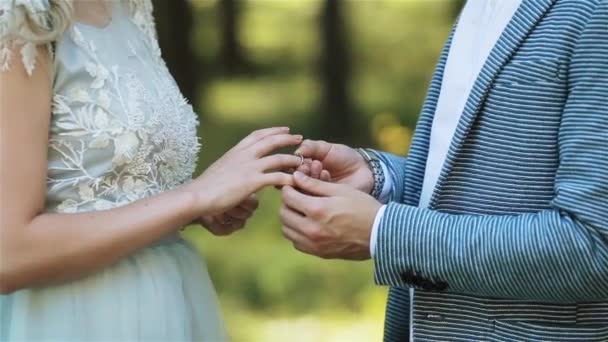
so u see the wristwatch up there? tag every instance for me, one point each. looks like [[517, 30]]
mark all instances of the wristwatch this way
[[373, 162]]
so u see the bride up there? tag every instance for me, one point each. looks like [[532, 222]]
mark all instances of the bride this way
[[97, 151]]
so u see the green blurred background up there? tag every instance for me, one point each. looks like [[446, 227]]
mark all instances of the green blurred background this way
[[344, 71]]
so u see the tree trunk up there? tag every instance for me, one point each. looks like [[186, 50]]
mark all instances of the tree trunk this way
[[232, 56], [338, 115], [174, 25]]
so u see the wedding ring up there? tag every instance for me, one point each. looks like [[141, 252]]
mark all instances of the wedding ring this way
[[301, 159]]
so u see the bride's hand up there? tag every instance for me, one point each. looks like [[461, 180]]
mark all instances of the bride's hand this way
[[232, 220], [244, 170]]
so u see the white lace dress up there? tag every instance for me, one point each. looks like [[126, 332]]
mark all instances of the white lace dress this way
[[120, 131]]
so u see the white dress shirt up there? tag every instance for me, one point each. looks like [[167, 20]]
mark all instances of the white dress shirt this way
[[480, 25]]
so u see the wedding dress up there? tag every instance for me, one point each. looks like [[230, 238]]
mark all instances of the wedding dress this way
[[120, 131]]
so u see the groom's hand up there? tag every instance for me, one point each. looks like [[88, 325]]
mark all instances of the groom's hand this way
[[333, 222], [340, 163]]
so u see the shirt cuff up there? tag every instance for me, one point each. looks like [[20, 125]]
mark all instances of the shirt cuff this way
[[374, 235], [387, 188]]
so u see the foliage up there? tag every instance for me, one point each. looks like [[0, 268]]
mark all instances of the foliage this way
[[267, 289]]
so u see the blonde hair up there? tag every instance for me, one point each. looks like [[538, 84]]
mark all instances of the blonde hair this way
[[37, 23], [26, 23]]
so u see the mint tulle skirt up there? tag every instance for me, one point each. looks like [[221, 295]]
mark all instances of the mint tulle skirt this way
[[161, 293]]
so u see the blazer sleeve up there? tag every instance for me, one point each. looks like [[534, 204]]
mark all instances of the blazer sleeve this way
[[556, 255], [395, 165]]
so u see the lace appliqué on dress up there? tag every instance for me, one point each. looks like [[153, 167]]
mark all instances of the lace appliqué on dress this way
[[148, 133]]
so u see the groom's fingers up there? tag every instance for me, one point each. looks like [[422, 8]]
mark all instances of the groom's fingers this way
[[295, 221], [300, 202], [293, 229], [299, 241], [314, 149], [315, 186]]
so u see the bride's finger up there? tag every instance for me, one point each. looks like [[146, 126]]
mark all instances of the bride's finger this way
[[216, 227], [273, 142], [305, 169], [276, 179], [304, 166], [251, 203], [315, 169], [279, 162], [237, 224], [206, 221], [325, 176], [239, 213], [231, 223], [260, 134]]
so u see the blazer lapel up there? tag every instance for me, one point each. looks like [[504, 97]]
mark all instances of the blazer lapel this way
[[529, 13]]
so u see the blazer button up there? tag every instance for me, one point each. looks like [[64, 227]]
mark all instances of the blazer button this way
[[441, 286], [416, 280], [426, 284], [408, 277]]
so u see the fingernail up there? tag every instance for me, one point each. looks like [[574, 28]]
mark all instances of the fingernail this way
[[298, 151], [299, 175], [286, 129], [299, 136]]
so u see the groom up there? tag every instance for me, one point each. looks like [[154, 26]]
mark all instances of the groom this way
[[495, 227]]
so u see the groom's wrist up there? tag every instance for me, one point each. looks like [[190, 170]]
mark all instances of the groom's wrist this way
[[368, 184], [377, 174]]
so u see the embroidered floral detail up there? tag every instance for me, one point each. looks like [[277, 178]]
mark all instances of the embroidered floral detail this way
[[5, 57], [145, 131], [28, 57], [142, 11]]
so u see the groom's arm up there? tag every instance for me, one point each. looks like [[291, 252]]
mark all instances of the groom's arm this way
[[394, 168], [560, 254]]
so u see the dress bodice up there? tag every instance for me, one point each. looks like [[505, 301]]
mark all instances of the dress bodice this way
[[119, 131], [120, 128]]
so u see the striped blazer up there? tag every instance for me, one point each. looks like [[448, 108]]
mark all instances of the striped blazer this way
[[514, 243]]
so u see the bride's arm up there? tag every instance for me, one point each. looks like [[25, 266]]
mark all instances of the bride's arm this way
[[38, 248]]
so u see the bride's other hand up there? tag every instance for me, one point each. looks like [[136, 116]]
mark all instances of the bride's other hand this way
[[245, 169], [232, 220], [336, 163]]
